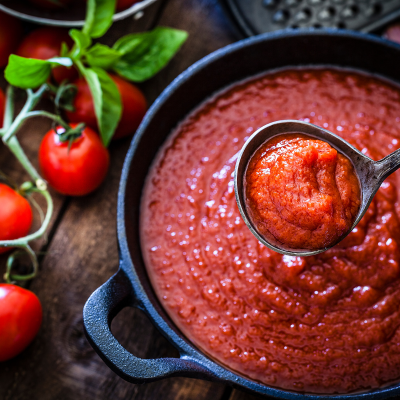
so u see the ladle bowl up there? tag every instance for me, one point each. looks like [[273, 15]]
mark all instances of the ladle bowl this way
[[370, 174]]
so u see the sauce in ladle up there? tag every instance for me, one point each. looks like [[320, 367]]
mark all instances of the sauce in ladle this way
[[301, 192]]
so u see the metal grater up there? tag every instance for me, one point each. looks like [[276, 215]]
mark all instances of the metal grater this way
[[258, 16]]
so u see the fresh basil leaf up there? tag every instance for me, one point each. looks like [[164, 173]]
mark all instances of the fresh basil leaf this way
[[29, 73], [106, 99], [144, 54], [99, 14], [102, 56], [82, 42]]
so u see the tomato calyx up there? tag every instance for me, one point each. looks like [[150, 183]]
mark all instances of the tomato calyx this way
[[69, 135]]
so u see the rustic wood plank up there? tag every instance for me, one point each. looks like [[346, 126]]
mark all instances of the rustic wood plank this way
[[239, 395], [60, 364]]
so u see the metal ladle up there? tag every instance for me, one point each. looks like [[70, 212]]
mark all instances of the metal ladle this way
[[370, 174]]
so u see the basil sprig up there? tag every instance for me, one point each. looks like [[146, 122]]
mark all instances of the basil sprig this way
[[135, 57], [99, 14], [28, 73], [107, 103], [144, 54]]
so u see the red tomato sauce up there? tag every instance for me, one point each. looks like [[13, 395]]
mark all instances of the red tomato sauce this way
[[323, 324], [301, 192]]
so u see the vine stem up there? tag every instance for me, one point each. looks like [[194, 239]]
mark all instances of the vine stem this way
[[31, 101], [9, 277], [16, 149], [10, 129], [8, 132], [9, 109], [54, 117]]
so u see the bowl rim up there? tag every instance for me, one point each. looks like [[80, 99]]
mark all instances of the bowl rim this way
[[74, 24], [187, 349]]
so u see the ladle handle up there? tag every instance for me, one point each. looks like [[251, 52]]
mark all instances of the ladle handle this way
[[388, 165]]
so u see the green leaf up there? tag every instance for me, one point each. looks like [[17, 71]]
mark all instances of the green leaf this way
[[29, 73], [102, 56], [144, 54], [82, 42], [106, 99], [99, 15]]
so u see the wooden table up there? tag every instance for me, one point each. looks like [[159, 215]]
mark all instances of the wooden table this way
[[81, 253]]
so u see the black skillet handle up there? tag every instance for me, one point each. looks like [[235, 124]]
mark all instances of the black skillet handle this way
[[100, 309]]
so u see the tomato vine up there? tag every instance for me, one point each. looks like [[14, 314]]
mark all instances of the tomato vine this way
[[134, 57], [11, 126]]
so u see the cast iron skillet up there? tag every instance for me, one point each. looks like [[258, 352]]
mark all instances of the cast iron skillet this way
[[131, 286]]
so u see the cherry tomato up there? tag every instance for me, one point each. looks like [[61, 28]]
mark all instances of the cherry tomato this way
[[2, 105], [124, 4], [78, 170], [10, 36], [20, 319], [51, 4], [134, 107], [15, 215], [45, 43]]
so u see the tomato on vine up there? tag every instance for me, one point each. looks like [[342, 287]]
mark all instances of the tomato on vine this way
[[73, 166], [20, 319], [15, 215], [45, 43], [10, 36], [134, 106]]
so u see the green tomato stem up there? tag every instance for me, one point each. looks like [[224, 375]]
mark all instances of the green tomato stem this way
[[31, 101], [9, 277], [55, 118], [16, 149], [7, 133], [9, 109], [80, 66], [11, 128]]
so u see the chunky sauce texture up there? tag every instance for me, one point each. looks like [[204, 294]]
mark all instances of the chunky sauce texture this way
[[301, 192], [323, 324]]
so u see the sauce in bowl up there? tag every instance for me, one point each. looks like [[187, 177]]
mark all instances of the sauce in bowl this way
[[301, 192], [325, 324]]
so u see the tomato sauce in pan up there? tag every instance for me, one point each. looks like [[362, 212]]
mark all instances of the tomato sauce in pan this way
[[301, 192], [324, 324]]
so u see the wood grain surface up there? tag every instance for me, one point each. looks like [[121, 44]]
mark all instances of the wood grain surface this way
[[81, 253]]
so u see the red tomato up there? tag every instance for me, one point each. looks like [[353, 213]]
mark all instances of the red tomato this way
[[45, 43], [76, 171], [124, 4], [134, 107], [50, 4], [2, 105], [20, 319], [15, 215], [10, 36]]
